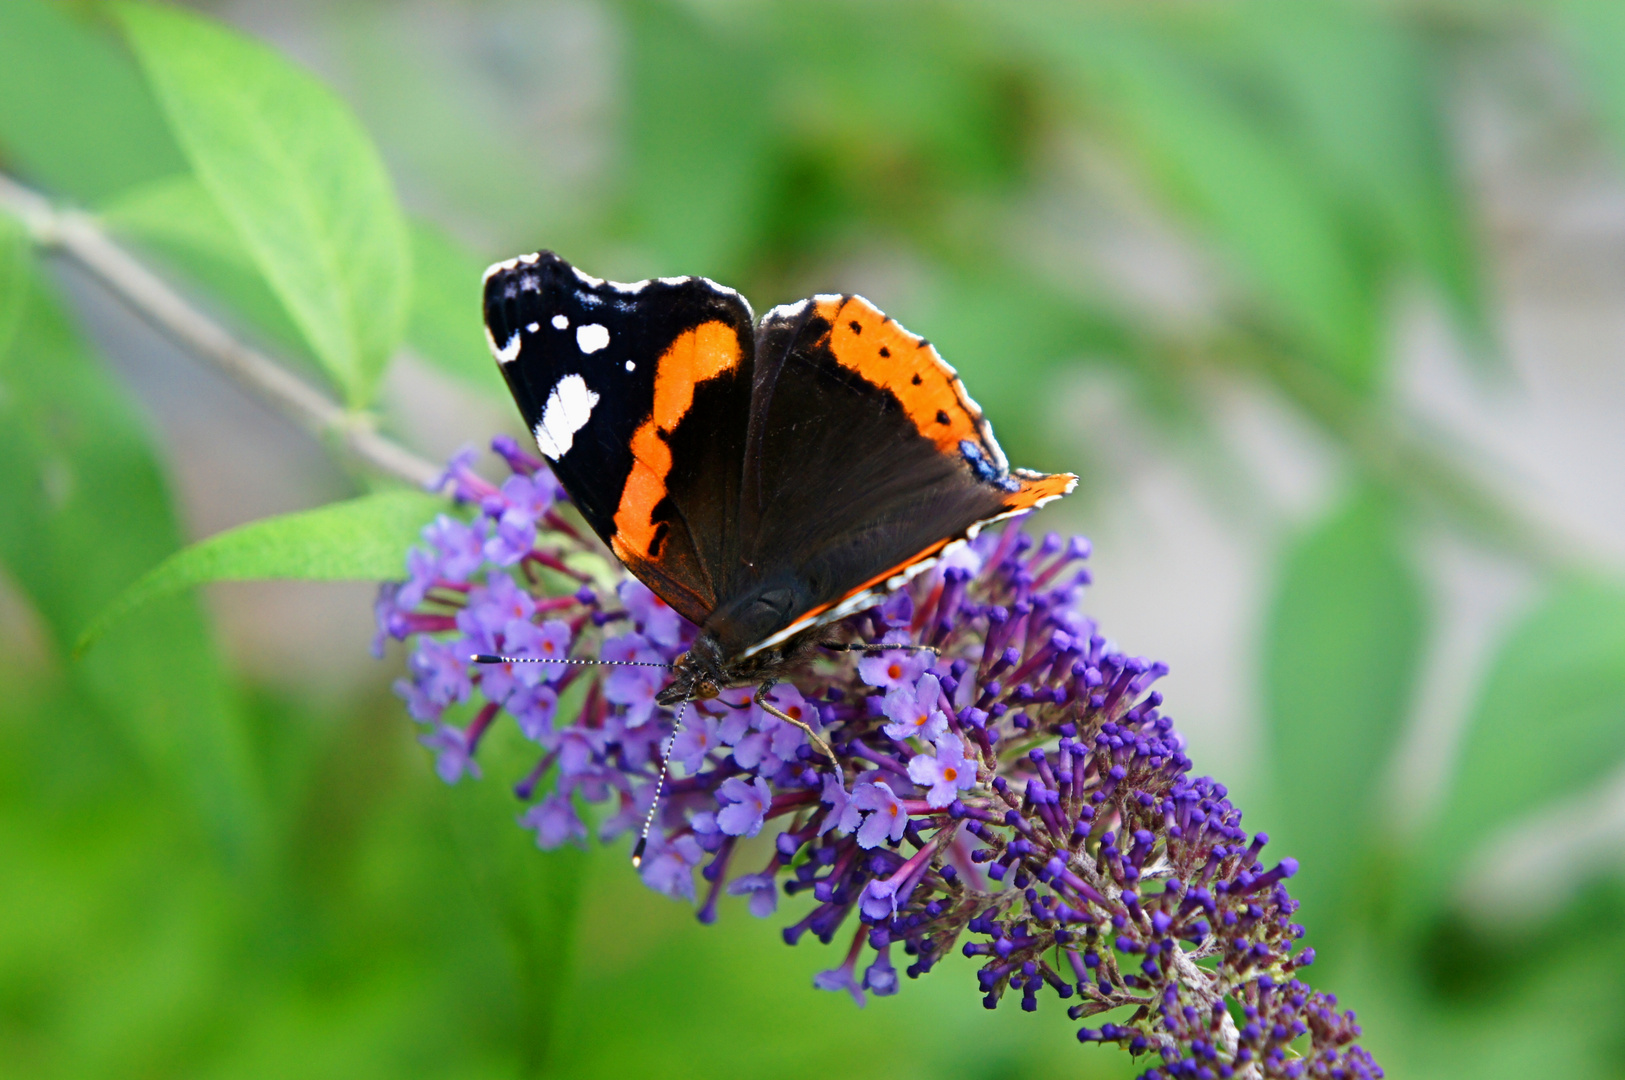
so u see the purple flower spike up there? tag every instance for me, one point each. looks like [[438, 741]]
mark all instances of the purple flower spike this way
[[886, 817], [880, 978], [916, 711], [452, 754], [1018, 797], [555, 822], [669, 868], [653, 617], [946, 773], [694, 742], [842, 814], [633, 687], [841, 978], [460, 547], [745, 807], [763, 890], [894, 667]]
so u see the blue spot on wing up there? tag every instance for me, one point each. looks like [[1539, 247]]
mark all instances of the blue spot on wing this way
[[983, 468]]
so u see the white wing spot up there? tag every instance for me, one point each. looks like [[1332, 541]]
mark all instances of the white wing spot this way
[[561, 322], [510, 350], [630, 366], [568, 409], [591, 338], [530, 283], [533, 327]]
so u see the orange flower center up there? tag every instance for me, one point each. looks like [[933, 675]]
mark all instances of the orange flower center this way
[[895, 671], [950, 773]]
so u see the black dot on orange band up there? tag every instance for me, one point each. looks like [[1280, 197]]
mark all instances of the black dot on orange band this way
[[857, 327], [885, 351], [918, 380], [942, 417]]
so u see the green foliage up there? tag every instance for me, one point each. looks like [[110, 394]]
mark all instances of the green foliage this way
[[1341, 652], [446, 325], [1227, 167], [15, 269], [696, 202], [1550, 719], [87, 511], [1594, 32], [534, 898], [177, 220], [362, 539], [1359, 100], [76, 115], [293, 171]]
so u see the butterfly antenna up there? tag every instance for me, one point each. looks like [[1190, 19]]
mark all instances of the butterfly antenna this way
[[488, 658], [660, 787]]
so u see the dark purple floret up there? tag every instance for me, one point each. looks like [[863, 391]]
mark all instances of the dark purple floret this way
[[1020, 799]]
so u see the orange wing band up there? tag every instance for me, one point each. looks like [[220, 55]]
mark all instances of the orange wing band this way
[[699, 354], [864, 340], [1039, 488]]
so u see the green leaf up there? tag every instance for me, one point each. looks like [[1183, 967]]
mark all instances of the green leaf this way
[[77, 118], [14, 279], [176, 211], [1340, 661], [1594, 33], [178, 221], [1220, 162], [446, 326], [86, 511], [291, 168], [362, 539], [1357, 91], [534, 896], [700, 171], [1549, 722]]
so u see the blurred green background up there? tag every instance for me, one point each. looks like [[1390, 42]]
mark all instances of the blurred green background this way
[[1325, 301]]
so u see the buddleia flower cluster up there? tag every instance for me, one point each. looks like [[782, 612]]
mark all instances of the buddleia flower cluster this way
[[1019, 796]]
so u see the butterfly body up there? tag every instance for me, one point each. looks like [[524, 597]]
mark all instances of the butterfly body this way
[[765, 479]]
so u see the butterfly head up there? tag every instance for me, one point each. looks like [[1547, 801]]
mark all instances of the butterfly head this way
[[696, 675]]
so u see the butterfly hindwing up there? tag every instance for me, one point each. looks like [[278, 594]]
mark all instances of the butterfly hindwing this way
[[638, 395], [865, 459]]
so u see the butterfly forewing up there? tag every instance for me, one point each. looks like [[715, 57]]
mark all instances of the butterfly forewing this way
[[638, 396]]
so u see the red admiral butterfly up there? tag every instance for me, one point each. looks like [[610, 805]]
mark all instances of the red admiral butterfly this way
[[764, 479]]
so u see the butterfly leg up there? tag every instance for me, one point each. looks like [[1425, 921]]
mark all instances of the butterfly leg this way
[[773, 710]]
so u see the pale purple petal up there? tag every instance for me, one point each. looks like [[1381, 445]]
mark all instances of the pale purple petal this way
[[555, 822], [763, 892], [747, 806]]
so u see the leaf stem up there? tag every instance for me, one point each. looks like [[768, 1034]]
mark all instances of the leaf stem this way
[[78, 236]]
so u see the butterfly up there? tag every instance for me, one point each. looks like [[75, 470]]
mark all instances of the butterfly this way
[[765, 479]]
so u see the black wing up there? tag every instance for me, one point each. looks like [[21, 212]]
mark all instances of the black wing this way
[[639, 396], [864, 459]]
